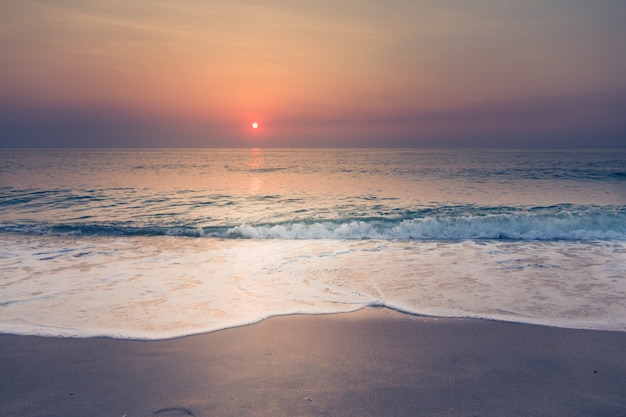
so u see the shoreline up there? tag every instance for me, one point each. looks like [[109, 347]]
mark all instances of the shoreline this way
[[69, 334], [371, 362]]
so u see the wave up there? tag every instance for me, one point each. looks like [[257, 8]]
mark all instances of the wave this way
[[488, 227], [553, 223]]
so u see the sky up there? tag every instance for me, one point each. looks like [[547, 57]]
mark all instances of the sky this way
[[341, 73]]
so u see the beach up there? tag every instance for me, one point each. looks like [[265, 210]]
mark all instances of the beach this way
[[349, 208], [312, 282], [373, 362]]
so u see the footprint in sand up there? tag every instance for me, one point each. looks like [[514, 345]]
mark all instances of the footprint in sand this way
[[173, 412]]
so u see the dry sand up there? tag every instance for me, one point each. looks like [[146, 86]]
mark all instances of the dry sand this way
[[374, 362]]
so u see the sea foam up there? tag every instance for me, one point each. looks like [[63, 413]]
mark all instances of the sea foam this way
[[163, 287], [537, 223]]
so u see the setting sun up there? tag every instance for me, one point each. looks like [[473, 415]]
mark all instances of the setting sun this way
[[255, 125]]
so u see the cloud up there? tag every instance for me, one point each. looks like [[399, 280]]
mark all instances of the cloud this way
[[578, 120], [581, 120], [104, 127]]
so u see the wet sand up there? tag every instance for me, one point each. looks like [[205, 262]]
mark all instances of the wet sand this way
[[374, 362]]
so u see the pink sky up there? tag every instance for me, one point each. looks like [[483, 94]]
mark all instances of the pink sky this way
[[342, 73]]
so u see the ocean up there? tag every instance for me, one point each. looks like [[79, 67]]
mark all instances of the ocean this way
[[162, 243]]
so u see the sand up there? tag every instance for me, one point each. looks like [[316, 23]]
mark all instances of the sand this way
[[374, 362]]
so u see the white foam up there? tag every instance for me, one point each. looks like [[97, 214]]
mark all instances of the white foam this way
[[163, 287], [521, 226]]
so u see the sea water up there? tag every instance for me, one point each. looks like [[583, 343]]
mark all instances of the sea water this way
[[152, 244]]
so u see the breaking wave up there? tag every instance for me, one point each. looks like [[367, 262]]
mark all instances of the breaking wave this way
[[540, 223]]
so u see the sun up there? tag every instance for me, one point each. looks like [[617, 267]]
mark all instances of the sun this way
[[255, 125]]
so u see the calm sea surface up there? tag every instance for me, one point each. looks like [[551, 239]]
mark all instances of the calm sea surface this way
[[163, 243]]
